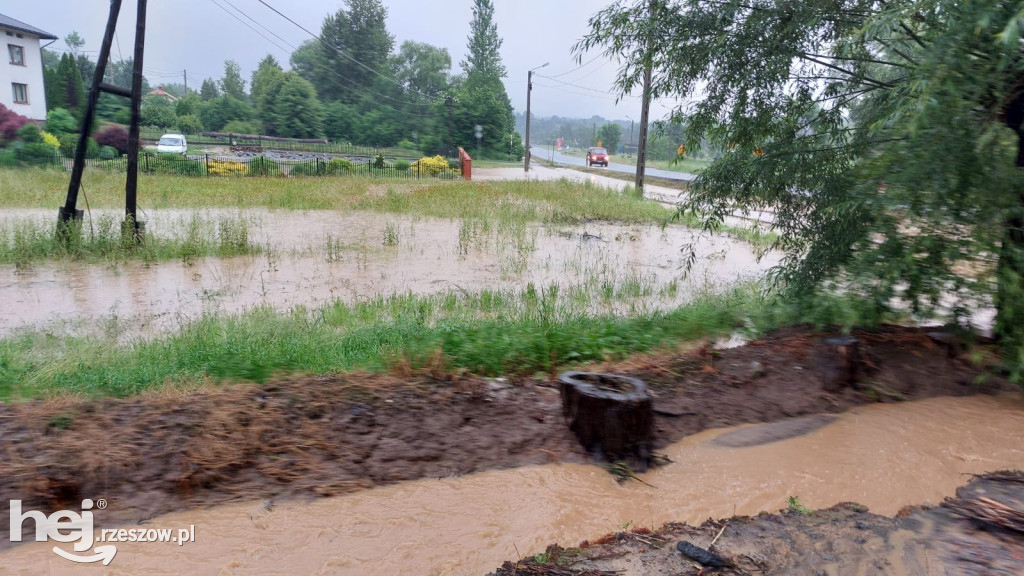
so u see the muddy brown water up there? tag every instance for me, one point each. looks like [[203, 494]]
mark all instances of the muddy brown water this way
[[885, 456], [313, 257]]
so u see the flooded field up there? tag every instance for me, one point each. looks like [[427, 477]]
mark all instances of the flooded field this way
[[312, 257], [883, 456]]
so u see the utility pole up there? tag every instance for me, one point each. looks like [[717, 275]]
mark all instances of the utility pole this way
[[449, 101], [641, 153], [529, 88], [185, 72], [131, 221]]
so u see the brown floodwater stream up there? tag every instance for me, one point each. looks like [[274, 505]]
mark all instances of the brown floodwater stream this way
[[885, 456], [314, 257]]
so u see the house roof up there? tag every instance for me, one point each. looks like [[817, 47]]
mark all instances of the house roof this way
[[159, 91], [8, 22]]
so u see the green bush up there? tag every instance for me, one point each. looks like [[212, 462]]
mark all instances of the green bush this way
[[172, 164], [378, 161], [38, 154], [262, 166], [190, 124], [59, 121], [92, 149], [30, 134], [108, 153], [401, 165], [453, 164], [241, 127], [68, 144], [338, 166], [308, 169]]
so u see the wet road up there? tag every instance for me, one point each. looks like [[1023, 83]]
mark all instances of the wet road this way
[[559, 158]]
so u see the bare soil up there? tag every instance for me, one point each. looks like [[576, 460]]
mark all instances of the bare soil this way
[[970, 535], [311, 437]]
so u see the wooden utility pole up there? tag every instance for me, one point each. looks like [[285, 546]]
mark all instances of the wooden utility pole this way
[[641, 153], [69, 211], [131, 221]]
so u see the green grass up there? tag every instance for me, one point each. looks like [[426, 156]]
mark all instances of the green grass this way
[[23, 242], [556, 201], [487, 333]]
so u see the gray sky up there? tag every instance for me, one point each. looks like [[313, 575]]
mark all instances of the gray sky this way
[[198, 35]]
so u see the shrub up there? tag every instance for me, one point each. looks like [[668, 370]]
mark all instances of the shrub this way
[[432, 165], [59, 121], [10, 123], [92, 148], [225, 168], [407, 145], [50, 140], [30, 134], [108, 153], [263, 166], [338, 166], [308, 169], [241, 127], [190, 124], [174, 164], [68, 144], [401, 165], [453, 164], [38, 154], [113, 136], [378, 161]]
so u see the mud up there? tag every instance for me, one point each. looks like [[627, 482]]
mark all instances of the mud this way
[[840, 540], [327, 436]]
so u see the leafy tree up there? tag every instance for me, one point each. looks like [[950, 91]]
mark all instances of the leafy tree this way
[[69, 93], [354, 49], [422, 69], [74, 42], [121, 72], [232, 83], [297, 111], [113, 136], [339, 122], [209, 90], [609, 135], [60, 121], [267, 80], [216, 113], [158, 111], [887, 138], [190, 124], [481, 99], [303, 60], [188, 105]]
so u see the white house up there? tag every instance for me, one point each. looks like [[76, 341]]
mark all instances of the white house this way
[[21, 68]]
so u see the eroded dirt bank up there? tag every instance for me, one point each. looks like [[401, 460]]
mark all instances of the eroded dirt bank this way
[[325, 436], [979, 532]]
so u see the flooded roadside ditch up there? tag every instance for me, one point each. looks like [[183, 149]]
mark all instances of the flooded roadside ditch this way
[[882, 456]]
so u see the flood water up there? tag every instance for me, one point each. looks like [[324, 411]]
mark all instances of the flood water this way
[[884, 456], [313, 257]]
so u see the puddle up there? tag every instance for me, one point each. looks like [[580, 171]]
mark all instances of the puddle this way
[[313, 257], [885, 456]]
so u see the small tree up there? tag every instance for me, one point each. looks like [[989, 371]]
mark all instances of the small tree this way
[[113, 136], [60, 121], [10, 123]]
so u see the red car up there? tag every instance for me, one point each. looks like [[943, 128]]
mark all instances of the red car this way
[[597, 156]]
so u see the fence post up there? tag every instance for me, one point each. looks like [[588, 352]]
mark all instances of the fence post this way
[[207, 162], [145, 157], [418, 169]]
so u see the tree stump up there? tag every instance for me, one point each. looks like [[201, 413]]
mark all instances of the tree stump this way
[[612, 416], [837, 360]]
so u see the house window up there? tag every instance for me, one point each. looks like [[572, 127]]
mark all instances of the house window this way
[[20, 93], [17, 54]]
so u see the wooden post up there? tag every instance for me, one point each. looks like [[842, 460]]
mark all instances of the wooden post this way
[[613, 416], [837, 360]]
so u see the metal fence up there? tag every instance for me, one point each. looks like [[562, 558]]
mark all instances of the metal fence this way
[[206, 165], [259, 143]]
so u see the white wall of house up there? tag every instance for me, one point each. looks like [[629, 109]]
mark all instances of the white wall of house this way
[[30, 74]]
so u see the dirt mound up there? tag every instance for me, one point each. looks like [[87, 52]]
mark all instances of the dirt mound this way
[[956, 539], [323, 436]]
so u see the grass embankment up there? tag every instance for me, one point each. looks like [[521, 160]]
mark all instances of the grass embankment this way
[[488, 333]]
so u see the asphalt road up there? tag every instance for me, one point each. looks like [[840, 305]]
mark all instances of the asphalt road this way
[[559, 158]]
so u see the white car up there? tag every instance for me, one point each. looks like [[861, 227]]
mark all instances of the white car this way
[[172, 144]]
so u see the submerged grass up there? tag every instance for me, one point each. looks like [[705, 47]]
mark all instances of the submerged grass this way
[[487, 333], [25, 241]]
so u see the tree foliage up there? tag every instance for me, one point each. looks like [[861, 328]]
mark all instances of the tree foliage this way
[[232, 84], [354, 49], [609, 136], [297, 111], [481, 99], [209, 91], [885, 136]]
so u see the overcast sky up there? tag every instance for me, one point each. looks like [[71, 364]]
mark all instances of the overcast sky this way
[[199, 35]]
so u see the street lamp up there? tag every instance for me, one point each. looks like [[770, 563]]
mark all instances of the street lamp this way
[[529, 88]]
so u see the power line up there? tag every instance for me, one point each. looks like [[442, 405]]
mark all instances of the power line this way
[[274, 34], [246, 24], [588, 89], [580, 67]]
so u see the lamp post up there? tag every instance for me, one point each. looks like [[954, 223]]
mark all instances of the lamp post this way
[[529, 88]]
